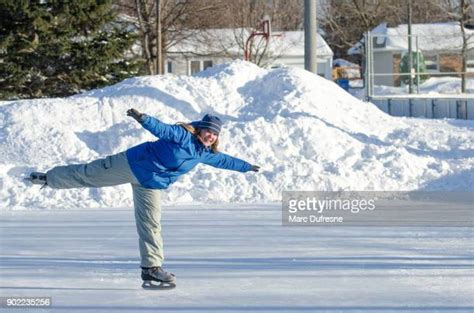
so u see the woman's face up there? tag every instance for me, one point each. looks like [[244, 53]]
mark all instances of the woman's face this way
[[207, 137]]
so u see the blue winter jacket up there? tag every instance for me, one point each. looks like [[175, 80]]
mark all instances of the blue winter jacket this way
[[158, 164]]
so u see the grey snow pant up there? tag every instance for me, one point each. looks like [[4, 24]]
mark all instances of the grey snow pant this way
[[111, 171]]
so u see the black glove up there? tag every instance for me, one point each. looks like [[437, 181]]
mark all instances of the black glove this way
[[255, 168], [136, 115]]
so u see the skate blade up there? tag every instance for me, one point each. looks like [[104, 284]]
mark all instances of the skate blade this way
[[149, 284], [29, 181]]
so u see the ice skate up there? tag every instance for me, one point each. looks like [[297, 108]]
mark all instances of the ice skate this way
[[37, 178], [157, 278]]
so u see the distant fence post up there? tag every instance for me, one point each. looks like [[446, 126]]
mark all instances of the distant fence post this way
[[461, 109]]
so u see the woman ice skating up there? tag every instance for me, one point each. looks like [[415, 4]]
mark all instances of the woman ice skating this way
[[149, 168]]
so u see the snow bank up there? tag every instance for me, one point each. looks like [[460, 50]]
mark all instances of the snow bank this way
[[305, 132]]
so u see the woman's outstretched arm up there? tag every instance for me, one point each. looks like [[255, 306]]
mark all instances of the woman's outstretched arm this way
[[225, 161], [161, 130]]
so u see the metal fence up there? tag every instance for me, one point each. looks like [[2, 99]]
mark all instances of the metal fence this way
[[426, 107], [423, 101]]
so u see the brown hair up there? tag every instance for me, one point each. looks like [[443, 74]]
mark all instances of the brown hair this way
[[195, 131]]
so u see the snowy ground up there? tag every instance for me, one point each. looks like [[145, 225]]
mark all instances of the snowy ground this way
[[234, 258]]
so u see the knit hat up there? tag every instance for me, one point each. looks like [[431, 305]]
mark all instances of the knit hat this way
[[210, 122]]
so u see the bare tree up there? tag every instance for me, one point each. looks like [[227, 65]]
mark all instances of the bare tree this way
[[178, 19], [464, 18], [243, 16], [184, 19], [462, 12], [345, 21]]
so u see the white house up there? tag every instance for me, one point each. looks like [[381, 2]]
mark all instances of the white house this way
[[440, 44], [217, 46]]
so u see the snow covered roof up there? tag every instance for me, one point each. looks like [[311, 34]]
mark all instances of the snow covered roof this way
[[431, 37], [216, 41]]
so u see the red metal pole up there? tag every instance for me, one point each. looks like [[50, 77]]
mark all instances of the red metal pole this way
[[265, 34], [247, 48]]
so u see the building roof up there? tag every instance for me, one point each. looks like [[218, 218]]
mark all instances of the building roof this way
[[216, 41], [431, 37]]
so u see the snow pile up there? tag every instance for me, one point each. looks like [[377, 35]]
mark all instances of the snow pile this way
[[305, 132]]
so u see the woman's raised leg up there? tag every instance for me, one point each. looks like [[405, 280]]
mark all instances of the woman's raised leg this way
[[110, 171]]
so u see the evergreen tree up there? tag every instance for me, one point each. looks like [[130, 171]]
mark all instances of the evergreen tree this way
[[58, 48], [418, 63]]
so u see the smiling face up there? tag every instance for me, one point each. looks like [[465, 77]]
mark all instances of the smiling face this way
[[207, 137]]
